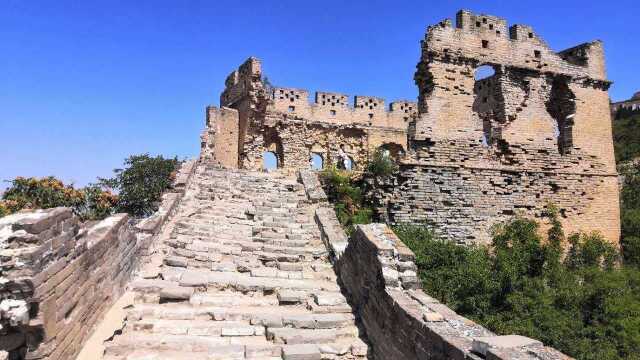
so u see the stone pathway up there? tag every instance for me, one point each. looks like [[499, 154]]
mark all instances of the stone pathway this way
[[242, 274]]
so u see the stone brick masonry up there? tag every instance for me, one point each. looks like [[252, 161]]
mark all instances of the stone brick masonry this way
[[402, 322], [379, 278], [242, 264], [536, 132], [282, 121], [473, 151], [59, 276]]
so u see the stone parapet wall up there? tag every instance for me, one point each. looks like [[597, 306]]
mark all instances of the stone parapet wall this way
[[402, 322], [378, 275], [59, 276], [65, 279]]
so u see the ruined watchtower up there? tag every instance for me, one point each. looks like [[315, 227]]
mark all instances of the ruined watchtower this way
[[473, 151], [535, 132]]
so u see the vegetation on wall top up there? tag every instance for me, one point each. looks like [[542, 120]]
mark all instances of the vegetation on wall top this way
[[136, 189]]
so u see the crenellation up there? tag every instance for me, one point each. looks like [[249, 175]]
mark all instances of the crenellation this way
[[487, 25], [332, 100], [290, 100], [334, 108]]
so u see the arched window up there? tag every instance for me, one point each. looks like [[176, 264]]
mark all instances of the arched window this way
[[348, 163], [269, 160], [316, 161]]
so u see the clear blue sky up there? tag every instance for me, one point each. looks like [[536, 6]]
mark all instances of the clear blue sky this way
[[83, 84]]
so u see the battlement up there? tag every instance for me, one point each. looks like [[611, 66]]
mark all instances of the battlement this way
[[481, 23], [334, 107], [489, 39]]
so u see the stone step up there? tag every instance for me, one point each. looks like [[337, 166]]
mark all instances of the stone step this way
[[243, 275], [291, 336], [133, 354], [255, 315], [295, 247], [209, 328], [215, 347], [242, 282], [231, 299]]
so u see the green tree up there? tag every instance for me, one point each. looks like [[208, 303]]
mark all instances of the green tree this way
[[141, 182]]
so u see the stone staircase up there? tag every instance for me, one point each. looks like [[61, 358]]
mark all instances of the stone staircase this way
[[240, 273]]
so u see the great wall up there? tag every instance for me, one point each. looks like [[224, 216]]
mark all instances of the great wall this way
[[239, 263]]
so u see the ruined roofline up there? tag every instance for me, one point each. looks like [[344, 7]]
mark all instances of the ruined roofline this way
[[582, 46], [468, 20], [487, 39]]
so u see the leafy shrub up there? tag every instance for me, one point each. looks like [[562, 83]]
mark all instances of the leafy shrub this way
[[381, 164], [99, 203], [32, 193], [630, 214], [583, 305], [141, 183], [458, 276], [346, 195], [631, 250]]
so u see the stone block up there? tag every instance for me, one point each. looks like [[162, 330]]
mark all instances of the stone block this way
[[176, 293], [301, 352], [482, 344]]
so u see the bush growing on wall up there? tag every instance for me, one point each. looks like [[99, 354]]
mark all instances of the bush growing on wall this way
[[381, 164], [585, 304], [346, 195], [141, 182], [139, 186], [90, 203]]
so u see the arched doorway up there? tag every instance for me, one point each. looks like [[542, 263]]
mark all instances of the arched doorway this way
[[316, 161], [269, 160]]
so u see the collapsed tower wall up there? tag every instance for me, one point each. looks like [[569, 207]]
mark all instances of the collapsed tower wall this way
[[472, 152], [283, 121], [536, 132]]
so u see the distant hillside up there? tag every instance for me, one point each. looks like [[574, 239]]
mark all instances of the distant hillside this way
[[626, 135]]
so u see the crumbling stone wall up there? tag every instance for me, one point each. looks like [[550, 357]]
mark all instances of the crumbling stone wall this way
[[58, 276], [472, 152], [283, 121], [378, 275], [536, 132], [402, 322], [219, 140]]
